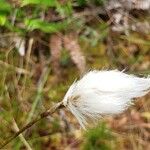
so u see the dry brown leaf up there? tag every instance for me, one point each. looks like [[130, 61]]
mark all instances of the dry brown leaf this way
[[71, 44], [55, 44], [135, 116], [128, 4]]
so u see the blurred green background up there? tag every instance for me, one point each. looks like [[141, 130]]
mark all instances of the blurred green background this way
[[45, 45]]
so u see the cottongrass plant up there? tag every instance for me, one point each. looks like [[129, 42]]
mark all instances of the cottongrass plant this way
[[96, 94], [100, 93]]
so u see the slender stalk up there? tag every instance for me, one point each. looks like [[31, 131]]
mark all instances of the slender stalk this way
[[40, 86], [21, 136], [41, 116]]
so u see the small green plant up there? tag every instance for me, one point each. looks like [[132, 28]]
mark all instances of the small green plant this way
[[5, 9], [97, 138]]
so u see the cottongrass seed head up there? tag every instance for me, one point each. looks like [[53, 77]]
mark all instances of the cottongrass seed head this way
[[100, 93]]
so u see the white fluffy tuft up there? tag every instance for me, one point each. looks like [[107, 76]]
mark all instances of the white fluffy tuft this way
[[100, 93]]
